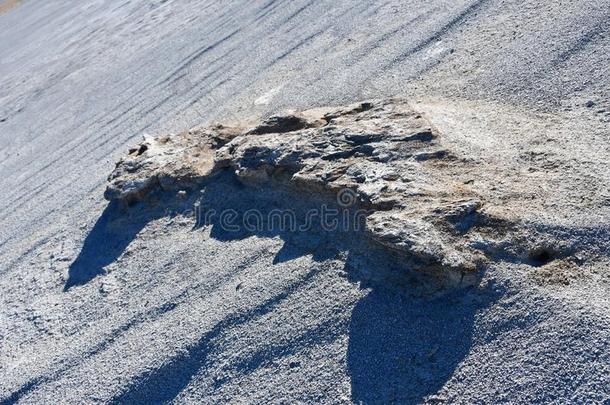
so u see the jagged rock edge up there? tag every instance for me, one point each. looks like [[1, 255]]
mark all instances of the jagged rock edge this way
[[434, 237]]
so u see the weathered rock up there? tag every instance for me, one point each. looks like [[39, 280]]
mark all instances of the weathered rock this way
[[168, 162], [392, 161]]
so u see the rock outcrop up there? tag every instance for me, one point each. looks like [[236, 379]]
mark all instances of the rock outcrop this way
[[381, 156]]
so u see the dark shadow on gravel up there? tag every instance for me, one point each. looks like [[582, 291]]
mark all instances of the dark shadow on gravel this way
[[403, 343], [102, 246], [165, 383], [403, 349], [114, 230], [405, 340]]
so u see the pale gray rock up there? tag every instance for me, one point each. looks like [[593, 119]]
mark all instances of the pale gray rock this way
[[380, 156], [168, 162]]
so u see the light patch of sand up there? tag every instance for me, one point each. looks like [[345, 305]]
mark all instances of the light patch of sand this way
[[8, 5]]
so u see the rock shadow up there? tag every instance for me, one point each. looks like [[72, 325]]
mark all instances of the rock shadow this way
[[306, 224], [102, 246], [404, 341], [403, 349], [114, 230]]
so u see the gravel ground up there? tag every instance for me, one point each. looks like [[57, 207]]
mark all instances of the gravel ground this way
[[189, 314]]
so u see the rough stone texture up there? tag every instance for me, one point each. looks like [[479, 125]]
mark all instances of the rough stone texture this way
[[168, 162], [392, 160], [381, 156]]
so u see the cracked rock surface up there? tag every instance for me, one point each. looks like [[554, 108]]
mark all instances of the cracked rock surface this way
[[166, 162], [380, 156]]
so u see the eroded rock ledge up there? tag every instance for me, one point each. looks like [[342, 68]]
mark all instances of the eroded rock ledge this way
[[390, 157]]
